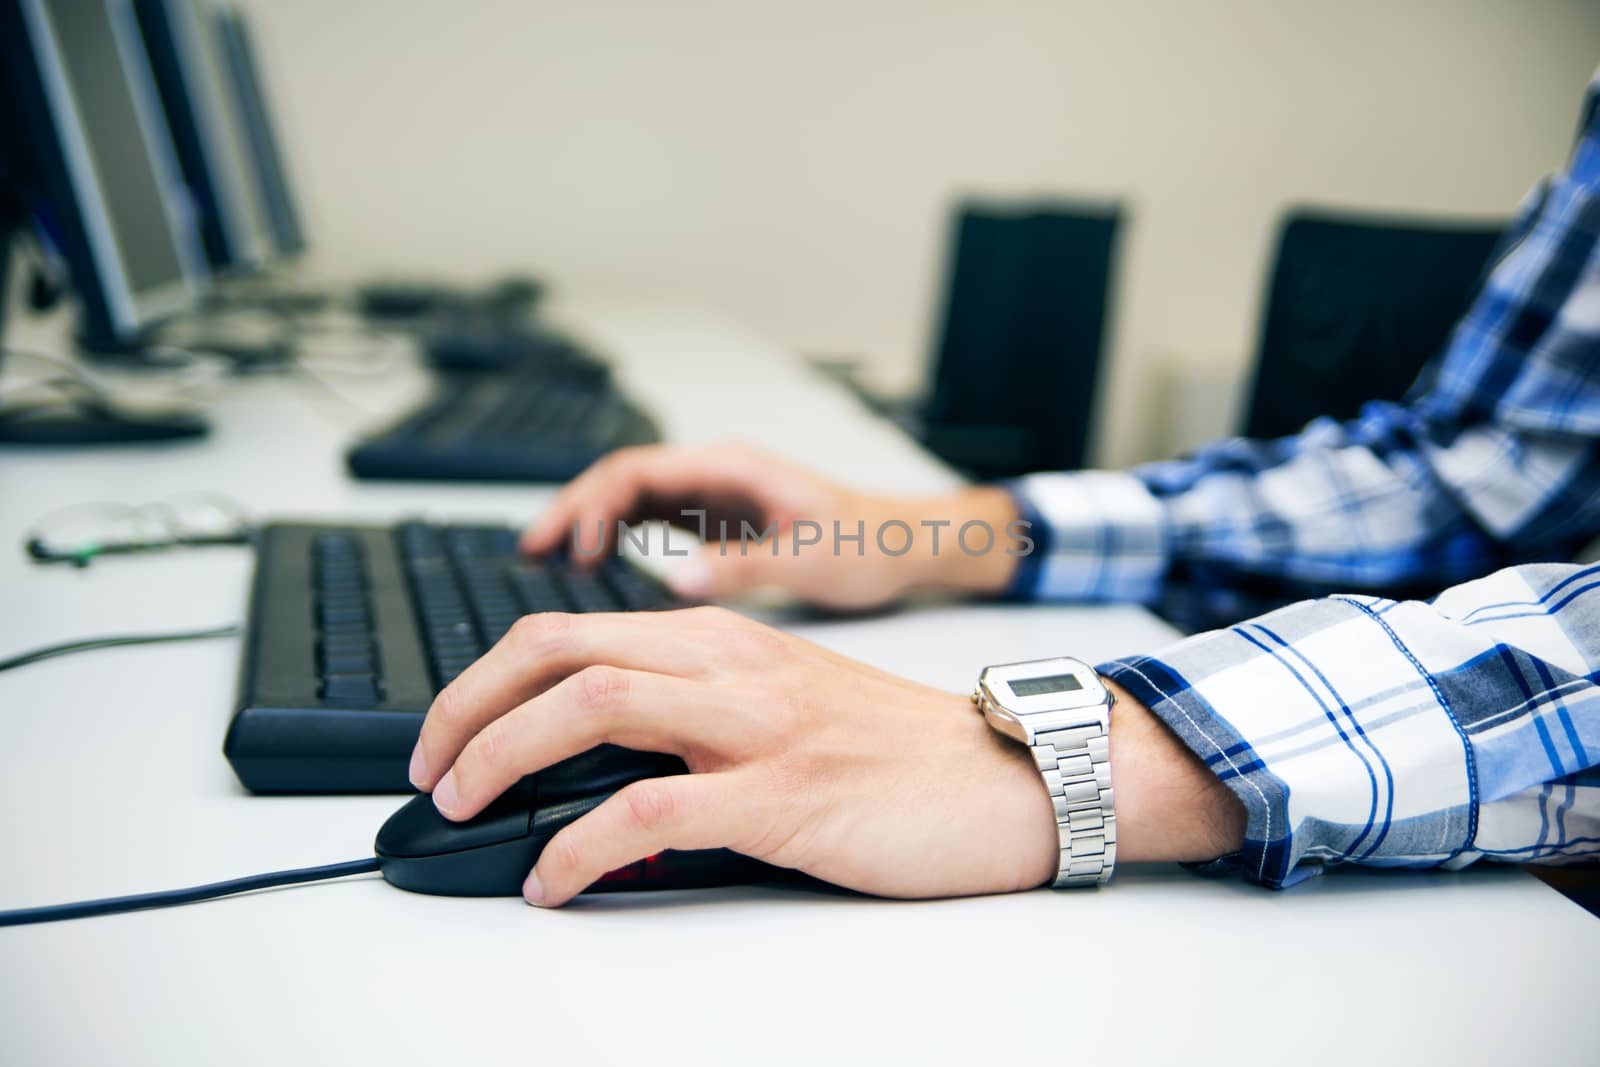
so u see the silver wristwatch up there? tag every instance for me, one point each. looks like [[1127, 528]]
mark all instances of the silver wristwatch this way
[[1060, 709]]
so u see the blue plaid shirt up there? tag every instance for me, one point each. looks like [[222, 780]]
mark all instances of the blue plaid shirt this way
[[1363, 726]]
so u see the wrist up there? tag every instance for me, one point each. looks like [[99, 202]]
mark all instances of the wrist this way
[[1167, 804], [1170, 807], [967, 542]]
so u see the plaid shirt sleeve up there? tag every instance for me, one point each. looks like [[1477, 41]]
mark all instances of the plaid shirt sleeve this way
[[1492, 460], [1404, 734]]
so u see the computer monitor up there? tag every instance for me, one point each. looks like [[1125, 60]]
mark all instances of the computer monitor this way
[[255, 119], [212, 147], [90, 158]]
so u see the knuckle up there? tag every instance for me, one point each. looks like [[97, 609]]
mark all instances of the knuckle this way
[[490, 749], [448, 709], [540, 631], [625, 464], [797, 716], [609, 464], [602, 689], [524, 631], [649, 804], [713, 615], [562, 856], [757, 643]]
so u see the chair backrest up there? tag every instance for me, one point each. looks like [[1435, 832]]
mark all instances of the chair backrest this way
[[1018, 354], [1358, 305]]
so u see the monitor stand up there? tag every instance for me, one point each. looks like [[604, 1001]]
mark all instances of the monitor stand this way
[[10, 222]]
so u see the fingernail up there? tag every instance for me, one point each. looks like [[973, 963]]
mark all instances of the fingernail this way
[[533, 890], [691, 579], [418, 771], [444, 794]]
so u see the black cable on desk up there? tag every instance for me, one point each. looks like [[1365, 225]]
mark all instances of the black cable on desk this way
[[83, 909], [89, 644]]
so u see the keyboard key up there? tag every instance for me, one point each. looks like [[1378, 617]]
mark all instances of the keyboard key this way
[[456, 644], [446, 631], [350, 663], [535, 588], [636, 591], [471, 586], [496, 628], [340, 591], [334, 616], [587, 592], [352, 644], [350, 688], [347, 654], [351, 630], [454, 666]]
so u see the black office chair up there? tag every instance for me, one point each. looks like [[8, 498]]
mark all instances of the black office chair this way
[[1357, 305], [1018, 354]]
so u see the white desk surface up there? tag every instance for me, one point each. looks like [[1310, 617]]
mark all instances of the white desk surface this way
[[112, 781]]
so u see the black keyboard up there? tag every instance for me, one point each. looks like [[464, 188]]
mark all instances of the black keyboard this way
[[537, 424], [354, 629]]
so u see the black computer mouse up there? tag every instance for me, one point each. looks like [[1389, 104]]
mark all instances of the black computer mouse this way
[[489, 856]]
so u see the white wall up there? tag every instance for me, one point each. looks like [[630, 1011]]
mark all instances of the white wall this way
[[793, 163]]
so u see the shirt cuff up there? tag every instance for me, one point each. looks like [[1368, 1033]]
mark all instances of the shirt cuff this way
[[1097, 535], [1316, 719]]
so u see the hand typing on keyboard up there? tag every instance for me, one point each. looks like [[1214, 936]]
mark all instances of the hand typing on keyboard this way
[[885, 546], [799, 757]]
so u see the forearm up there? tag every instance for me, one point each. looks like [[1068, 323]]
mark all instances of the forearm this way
[[983, 559], [1357, 730], [1086, 535], [1169, 806]]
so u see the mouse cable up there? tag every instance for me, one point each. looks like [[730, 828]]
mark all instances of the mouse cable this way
[[188, 374], [89, 644], [83, 909]]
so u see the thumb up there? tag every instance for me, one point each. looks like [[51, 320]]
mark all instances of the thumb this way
[[711, 575]]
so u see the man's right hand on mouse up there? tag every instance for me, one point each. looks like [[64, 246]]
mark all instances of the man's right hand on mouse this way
[[905, 543], [800, 757]]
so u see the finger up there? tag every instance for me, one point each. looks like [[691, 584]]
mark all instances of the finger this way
[[685, 811], [600, 481], [598, 705], [617, 487], [730, 569], [539, 651]]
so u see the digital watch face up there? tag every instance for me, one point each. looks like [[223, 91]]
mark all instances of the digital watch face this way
[[1050, 683], [1043, 685]]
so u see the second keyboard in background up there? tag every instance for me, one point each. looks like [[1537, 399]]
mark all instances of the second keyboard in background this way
[[535, 425]]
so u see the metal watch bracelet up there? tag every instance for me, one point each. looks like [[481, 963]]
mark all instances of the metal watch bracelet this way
[[1077, 772]]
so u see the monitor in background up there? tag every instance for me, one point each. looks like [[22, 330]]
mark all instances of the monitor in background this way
[[212, 148], [91, 160], [396, 302], [254, 116], [210, 79]]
